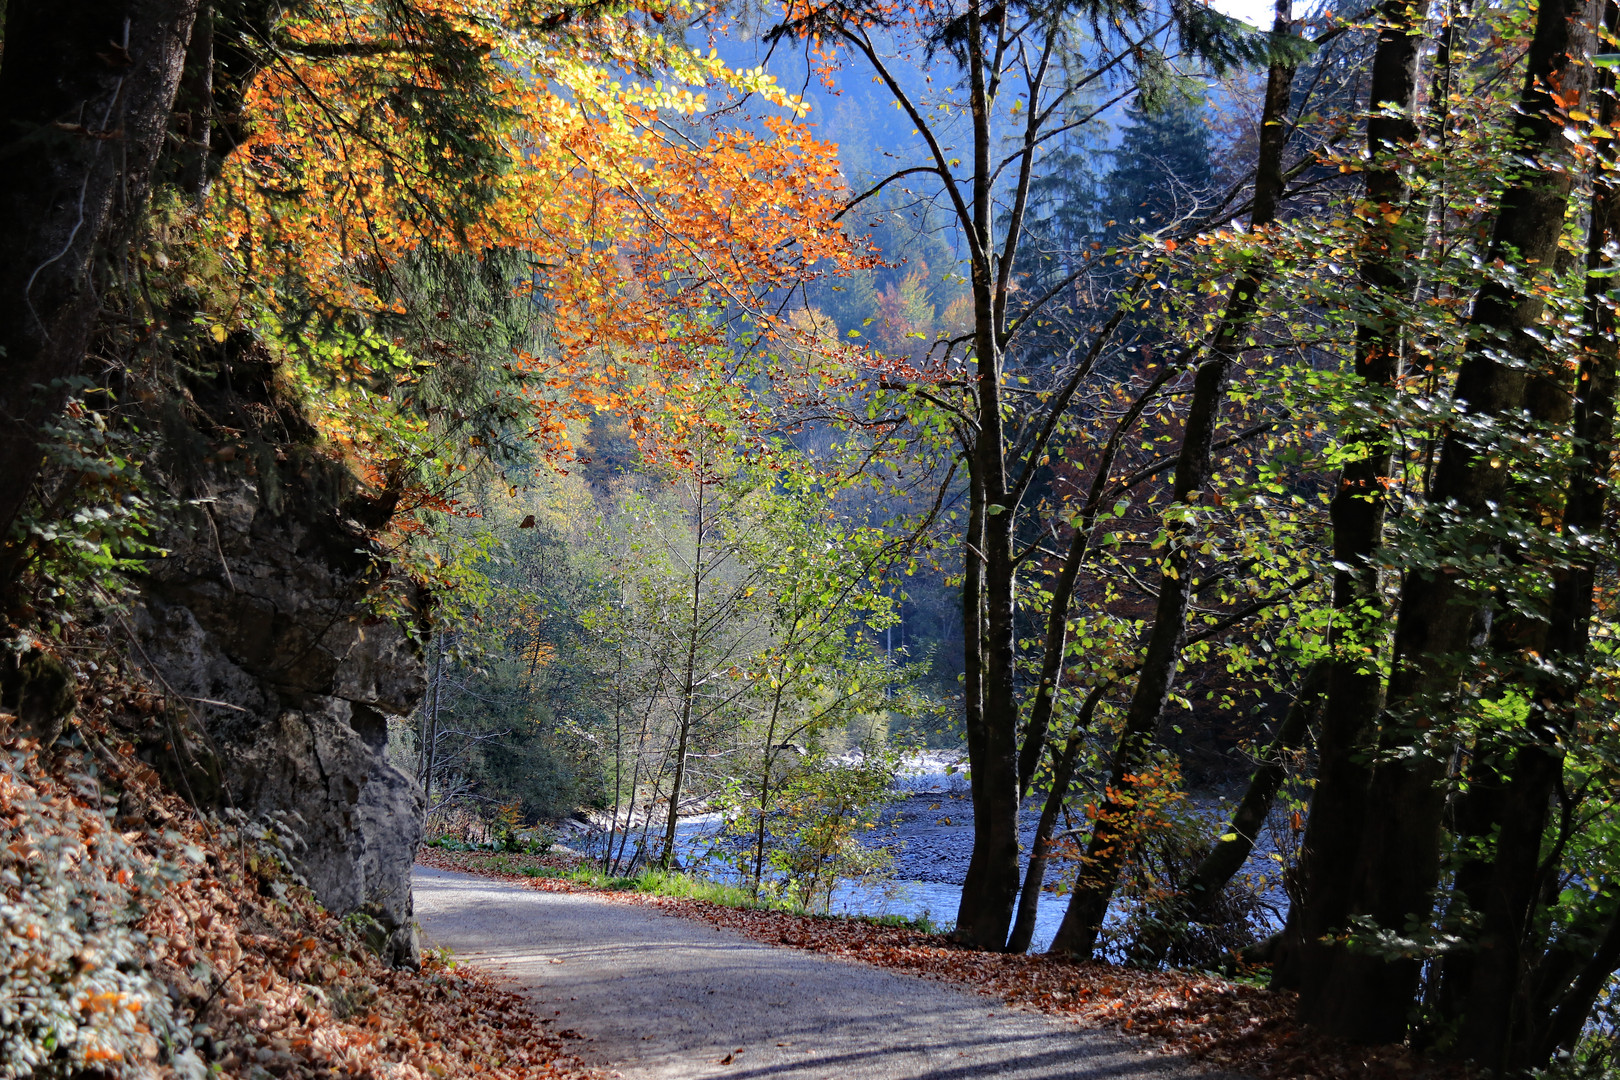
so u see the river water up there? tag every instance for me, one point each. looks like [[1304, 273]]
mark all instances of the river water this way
[[928, 831]]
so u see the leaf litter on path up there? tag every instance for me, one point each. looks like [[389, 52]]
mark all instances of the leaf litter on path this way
[[1215, 1020]]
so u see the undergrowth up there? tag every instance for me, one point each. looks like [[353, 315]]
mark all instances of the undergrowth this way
[[680, 886], [651, 882]]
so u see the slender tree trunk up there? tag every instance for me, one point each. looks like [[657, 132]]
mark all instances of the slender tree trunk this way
[[635, 776], [1362, 996], [86, 90], [973, 642], [1040, 850], [430, 739], [1355, 692], [1227, 857], [1056, 642], [1056, 645], [991, 885], [194, 106], [618, 764], [765, 778], [1108, 849], [682, 744], [1563, 1027], [688, 691], [643, 847], [694, 630]]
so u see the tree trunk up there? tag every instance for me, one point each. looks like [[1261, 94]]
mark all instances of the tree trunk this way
[[1227, 857], [689, 671], [991, 885], [765, 775], [1362, 996], [194, 107], [1108, 849], [970, 911], [1495, 1033], [1563, 1027], [85, 96], [430, 725], [1355, 693], [635, 776], [1056, 642], [1040, 849], [1517, 639], [682, 741]]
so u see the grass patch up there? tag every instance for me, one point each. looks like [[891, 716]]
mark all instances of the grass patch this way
[[573, 870], [923, 924], [659, 883], [688, 887]]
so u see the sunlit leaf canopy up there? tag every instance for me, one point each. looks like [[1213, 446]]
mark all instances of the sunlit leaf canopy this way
[[661, 204]]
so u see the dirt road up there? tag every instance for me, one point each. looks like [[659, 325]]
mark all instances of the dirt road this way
[[653, 997]]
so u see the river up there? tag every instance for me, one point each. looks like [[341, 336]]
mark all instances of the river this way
[[928, 831]]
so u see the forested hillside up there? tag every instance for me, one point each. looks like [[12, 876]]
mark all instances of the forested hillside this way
[[1155, 467]]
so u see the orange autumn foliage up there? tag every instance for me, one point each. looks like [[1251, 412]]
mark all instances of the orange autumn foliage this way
[[656, 227]]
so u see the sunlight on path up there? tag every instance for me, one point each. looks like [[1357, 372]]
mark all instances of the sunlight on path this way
[[653, 997]]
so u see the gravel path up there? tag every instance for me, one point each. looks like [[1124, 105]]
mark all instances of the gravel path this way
[[654, 997]]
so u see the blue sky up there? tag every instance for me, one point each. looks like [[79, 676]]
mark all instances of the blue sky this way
[[1254, 12]]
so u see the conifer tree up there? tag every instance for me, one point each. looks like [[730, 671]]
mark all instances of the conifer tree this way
[[1161, 172]]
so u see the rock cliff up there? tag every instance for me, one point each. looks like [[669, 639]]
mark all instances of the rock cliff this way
[[256, 621]]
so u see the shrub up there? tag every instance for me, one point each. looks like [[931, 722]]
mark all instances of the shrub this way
[[74, 992]]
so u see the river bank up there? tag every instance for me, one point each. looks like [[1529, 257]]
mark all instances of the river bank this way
[[927, 832]]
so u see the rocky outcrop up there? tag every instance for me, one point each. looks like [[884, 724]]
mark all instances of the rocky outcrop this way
[[256, 620]]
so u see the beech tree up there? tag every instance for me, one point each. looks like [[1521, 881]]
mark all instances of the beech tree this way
[[1107, 849], [314, 150], [1395, 846], [1450, 887]]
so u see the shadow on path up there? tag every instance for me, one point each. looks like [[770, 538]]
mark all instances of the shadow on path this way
[[661, 998]]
